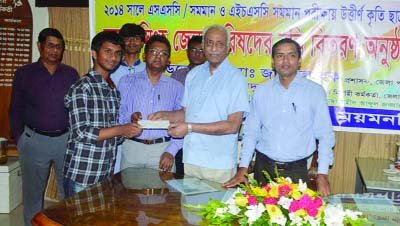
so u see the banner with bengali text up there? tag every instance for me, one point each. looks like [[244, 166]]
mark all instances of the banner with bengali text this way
[[351, 48]]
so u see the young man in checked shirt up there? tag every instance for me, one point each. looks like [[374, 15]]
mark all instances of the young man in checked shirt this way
[[93, 104]]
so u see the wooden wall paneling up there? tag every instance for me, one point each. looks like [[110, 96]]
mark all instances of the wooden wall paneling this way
[[378, 145], [342, 175]]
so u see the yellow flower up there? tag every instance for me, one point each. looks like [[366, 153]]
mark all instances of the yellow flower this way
[[241, 201], [274, 192], [274, 211], [258, 191], [296, 195], [310, 192], [301, 213]]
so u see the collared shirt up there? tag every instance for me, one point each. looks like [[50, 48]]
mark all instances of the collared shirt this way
[[124, 69], [180, 75], [139, 95], [212, 98], [284, 123], [37, 98], [92, 105]]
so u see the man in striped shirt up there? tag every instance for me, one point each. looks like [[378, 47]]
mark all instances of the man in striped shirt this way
[[146, 92]]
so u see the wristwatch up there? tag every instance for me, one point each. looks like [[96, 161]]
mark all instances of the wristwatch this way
[[189, 127]]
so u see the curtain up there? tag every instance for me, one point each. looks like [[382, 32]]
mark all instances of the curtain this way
[[73, 23]]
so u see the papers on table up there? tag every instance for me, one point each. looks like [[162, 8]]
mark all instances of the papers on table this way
[[154, 124], [190, 186]]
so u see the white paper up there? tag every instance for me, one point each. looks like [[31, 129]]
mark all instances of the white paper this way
[[154, 124], [190, 186]]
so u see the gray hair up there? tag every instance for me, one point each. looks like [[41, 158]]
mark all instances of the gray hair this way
[[218, 27]]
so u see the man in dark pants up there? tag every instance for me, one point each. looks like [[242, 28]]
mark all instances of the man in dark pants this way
[[39, 119], [287, 115]]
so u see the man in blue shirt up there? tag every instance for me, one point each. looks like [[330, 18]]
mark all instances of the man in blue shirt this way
[[144, 93], [196, 57], [214, 102], [287, 115], [134, 37]]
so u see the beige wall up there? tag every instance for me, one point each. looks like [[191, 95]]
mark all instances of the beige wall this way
[[40, 20]]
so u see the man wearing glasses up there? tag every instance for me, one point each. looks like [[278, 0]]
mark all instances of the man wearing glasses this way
[[39, 119], [214, 102], [134, 37], [196, 57], [146, 92]]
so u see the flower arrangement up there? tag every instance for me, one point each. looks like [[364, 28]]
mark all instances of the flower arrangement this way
[[280, 202]]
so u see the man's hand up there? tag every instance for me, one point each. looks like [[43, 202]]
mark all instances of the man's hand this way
[[130, 129], [240, 177], [136, 116], [164, 176], [179, 129], [159, 115], [166, 162], [323, 184]]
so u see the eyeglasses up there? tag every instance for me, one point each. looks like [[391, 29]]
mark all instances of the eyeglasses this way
[[156, 52], [53, 46], [194, 50]]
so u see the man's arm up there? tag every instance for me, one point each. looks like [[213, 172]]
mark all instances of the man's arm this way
[[172, 116], [16, 109], [324, 133], [77, 103], [229, 126]]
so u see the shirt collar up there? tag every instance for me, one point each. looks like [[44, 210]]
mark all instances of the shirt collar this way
[[297, 79], [220, 67], [123, 62]]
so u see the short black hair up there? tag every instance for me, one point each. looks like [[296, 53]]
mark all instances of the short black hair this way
[[106, 36], [132, 30], [47, 32], [195, 39], [283, 41], [157, 38]]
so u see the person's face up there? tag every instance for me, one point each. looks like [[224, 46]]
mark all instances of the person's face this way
[[108, 57], [51, 50], [286, 61], [195, 54], [157, 57], [133, 45], [215, 46]]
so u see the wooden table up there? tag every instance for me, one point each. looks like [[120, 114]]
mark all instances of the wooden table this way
[[131, 197], [141, 197]]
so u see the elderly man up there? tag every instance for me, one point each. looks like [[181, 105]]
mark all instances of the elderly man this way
[[196, 57], [214, 101]]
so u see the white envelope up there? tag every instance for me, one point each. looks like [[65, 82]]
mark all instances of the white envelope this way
[[154, 124]]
